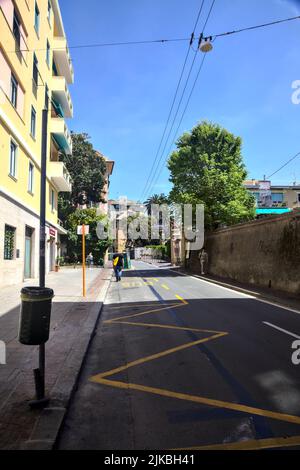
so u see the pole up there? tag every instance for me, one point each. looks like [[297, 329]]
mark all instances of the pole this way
[[83, 261], [43, 199], [39, 374]]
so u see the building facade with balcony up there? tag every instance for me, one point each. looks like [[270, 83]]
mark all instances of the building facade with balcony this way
[[273, 199], [35, 71]]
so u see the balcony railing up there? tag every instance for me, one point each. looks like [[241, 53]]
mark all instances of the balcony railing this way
[[62, 95], [61, 133], [60, 176], [63, 59]]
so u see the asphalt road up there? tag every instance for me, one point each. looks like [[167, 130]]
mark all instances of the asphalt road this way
[[181, 363]]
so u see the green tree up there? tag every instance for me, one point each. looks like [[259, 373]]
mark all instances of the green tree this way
[[207, 168], [87, 170], [159, 199], [93, 244], [156, 199]]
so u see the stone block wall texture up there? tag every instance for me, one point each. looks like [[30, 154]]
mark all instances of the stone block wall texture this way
[[263, 252]]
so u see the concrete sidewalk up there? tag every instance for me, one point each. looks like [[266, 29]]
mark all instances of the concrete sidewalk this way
[[73, 322]]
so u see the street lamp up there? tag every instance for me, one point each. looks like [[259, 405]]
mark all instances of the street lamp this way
[[205, 44]]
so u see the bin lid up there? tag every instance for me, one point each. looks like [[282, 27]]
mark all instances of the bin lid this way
[[37, 292]]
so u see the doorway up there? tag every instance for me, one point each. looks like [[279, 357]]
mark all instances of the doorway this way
[[28, 252], [52, 254]]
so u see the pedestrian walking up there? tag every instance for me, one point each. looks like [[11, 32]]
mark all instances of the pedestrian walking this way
[[90, 259], [203, 257], [118, 264]]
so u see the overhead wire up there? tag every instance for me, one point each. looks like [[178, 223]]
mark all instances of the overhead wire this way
[[159, 166], [173, 101]]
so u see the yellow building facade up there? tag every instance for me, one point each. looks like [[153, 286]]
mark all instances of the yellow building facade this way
[[35, 71]]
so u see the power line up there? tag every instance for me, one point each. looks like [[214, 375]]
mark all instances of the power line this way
[[159, 168], [284, 165], [200, 68], [174, 100], [153, 41], [173, 122], [104, 44], [180, 122], [249, 28]]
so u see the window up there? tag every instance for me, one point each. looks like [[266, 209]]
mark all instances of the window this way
[[48, 53], [13, 90], [35, 72], [52, 200], [16, 30], [30, 177], [9, 242], [277, 197], [36, 18], [49, 11], [35, 75], [298, 197], [13, 159], [33, 122]]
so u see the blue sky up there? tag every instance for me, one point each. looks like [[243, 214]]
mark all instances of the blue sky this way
[[122, 95]]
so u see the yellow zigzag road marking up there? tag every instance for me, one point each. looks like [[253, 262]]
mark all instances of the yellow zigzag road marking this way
[[165, 286], [251, 444], [196, 399], [172, 327], [133, 305], [154, 356], [144, 313]]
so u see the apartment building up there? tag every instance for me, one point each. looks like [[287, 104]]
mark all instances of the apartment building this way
[[35, 71], [120, 209], [273, 199]]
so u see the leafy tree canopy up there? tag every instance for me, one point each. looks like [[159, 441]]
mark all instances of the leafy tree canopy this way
[[87, 170], [207, 168], [156, 199], [93, 244]]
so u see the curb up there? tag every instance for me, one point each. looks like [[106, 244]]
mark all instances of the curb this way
[[49, 423], [282, 302]]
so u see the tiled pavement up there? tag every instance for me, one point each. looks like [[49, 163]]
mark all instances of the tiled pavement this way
[[72, 323]]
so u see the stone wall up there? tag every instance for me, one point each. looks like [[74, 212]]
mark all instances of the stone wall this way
[[263, 252]]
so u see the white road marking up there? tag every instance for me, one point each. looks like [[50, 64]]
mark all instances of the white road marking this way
[[282, 330], [251, 294]]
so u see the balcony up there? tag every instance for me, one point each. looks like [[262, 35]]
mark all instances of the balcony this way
[[63, 59], [61, 134], [61, 94], [60, 176]]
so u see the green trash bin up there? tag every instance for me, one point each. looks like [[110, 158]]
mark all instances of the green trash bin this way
[[35, 315], [127, 263]]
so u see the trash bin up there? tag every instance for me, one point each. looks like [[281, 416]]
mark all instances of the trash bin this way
[[127, 263], [35, 315]]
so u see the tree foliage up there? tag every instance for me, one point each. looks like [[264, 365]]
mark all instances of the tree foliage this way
[[156, 199], [207, 168], [93, 244], [87, 170]]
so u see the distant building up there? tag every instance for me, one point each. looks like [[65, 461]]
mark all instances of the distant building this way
[[123, 207], [273, 199]]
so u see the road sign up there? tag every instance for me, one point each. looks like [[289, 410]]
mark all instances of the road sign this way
[[86, 229]]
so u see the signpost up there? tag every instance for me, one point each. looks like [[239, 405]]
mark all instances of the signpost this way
[[83, 230]]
